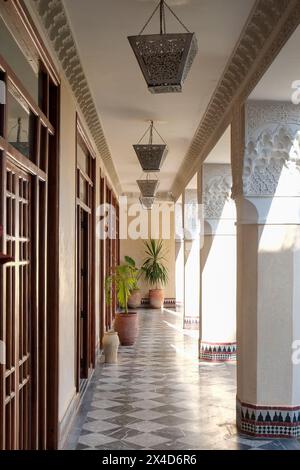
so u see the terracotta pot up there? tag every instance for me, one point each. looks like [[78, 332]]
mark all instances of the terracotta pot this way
[[135, 299], [110, 347], [126, 324], [156, 298]]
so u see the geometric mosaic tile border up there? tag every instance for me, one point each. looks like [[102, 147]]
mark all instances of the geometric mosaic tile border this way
[[268, 421], [167, 302], [217, 352], [191, 320]]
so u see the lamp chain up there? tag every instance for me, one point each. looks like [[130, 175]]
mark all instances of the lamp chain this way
[[151, 133], [162, 17], [161, 6]]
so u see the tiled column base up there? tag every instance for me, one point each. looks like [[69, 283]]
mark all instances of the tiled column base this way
[[268, 421], [217, 352], [167, 302], [191, 323]]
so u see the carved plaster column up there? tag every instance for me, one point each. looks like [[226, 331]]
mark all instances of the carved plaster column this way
[[266, 170], [218, 267]]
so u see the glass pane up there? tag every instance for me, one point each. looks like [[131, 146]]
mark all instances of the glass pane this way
[[83, 190], [13, 55], [44, 149], [82, 160], [19, 131], [43, 92], [2, 101]]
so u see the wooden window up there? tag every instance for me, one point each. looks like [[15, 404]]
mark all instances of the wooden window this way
[[112, 252], [102, 268], [28, 201], [21, 124]]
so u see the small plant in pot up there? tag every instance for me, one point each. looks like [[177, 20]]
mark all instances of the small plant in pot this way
[[155, 272], [135, 297], [126, 323]]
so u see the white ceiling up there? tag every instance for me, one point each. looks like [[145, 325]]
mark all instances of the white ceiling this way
[[276, 84], [100, 29]]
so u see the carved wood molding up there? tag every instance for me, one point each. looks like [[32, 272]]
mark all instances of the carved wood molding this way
[[56, 25], [238, 141], [161, 196], [269, 26]]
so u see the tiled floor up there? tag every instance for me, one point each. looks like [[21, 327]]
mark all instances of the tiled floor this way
[[159, 397]]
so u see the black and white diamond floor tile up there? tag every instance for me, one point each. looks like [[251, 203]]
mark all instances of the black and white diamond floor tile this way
[[159, 397]]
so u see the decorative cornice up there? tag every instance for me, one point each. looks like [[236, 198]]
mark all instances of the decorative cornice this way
[[161, 196], [56, 25], [270, 25]]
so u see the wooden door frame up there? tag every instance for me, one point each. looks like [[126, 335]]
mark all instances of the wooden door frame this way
[[112, 252], [83, 247], [83, 140], [108, 261], [102, 306]]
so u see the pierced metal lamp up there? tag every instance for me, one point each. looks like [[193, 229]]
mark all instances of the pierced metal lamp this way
[[147, 202], [165, 59], [151, 156], [148, 187]]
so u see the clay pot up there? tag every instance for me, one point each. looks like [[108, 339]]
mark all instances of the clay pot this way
[[135, 299], [156, 298], [126, 324], [110, 347]]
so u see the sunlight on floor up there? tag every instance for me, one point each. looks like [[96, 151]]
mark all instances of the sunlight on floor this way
[[191, 333]]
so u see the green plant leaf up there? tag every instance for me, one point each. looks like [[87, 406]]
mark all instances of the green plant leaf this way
[[153, 268], [130, 261], [123, 280]]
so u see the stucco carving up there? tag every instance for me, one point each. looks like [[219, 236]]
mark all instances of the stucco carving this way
[[269, 26], [272, 152], [267, 158], [216, 193], [55, 22]]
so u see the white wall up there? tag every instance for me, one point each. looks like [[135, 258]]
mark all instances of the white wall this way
[[135, 249]]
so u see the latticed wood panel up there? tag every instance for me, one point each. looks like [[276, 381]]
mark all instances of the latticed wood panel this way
[[17, 406]]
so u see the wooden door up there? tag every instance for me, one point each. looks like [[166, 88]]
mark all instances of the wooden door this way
[[83, 292]]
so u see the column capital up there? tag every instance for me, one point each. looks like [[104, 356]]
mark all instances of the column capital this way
[[271, 153], [219, 209]]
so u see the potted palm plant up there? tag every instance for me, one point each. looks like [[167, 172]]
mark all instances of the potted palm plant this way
[[155, 272], [126, 323], [135, 297]]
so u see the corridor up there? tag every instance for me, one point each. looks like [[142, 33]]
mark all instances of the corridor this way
[[155, 398], [152, 161]]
